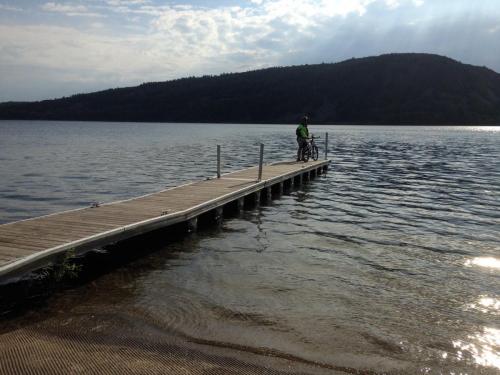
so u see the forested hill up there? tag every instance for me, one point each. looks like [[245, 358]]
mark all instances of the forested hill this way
[[388, 89]]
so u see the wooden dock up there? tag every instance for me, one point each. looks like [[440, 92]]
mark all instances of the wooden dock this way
[[32, 243]]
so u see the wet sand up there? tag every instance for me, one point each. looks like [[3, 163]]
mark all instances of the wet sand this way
[[70, 343]]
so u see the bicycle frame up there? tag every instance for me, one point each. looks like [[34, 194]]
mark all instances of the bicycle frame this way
[[310, 150]]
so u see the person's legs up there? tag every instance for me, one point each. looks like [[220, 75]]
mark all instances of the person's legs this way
[[299, 150]]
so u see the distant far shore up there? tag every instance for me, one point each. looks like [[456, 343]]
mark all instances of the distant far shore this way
[[312, 124], [395, 89]]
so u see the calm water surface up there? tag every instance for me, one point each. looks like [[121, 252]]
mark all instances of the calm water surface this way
[[390, 262]]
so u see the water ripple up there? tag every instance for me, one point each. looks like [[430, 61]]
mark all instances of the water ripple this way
[[389, 262]]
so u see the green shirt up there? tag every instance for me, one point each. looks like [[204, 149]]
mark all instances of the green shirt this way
[[302, 131]]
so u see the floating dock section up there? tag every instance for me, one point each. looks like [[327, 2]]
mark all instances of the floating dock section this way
[[30, 244]]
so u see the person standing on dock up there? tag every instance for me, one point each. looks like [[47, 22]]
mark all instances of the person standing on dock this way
[[302, 133]]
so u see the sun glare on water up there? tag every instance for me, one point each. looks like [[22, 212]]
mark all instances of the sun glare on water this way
[[484, 347], [485, 128], [486, 262], [486, 304]]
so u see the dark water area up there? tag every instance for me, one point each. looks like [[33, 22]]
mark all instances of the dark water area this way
[[390, 263]]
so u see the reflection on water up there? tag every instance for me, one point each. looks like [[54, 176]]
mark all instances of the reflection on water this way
[[487, 262], [485, 128], [387, 263], [484, 347], [487, 304]]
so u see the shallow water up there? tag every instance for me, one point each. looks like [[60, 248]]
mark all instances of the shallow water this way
[[390, 262]]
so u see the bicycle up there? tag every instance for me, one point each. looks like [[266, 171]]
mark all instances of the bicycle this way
[[311, 150]]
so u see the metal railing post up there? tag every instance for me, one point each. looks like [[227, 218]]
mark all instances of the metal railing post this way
[[261, 160], [218, 161], [326, 146]]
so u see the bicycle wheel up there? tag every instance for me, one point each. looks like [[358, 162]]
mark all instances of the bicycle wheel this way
[[315, 153]]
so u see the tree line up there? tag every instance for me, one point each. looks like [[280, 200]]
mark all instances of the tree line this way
[[387, 89]]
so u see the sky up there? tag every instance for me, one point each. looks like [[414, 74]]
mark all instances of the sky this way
[[50, 49]]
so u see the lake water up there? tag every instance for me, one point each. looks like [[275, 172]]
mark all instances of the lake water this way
[[388, 264]]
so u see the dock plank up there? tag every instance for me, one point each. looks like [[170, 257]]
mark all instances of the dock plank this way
[[42, 231], [14, 251], [45, 241], [15, 239], [48, 236], [22, 246], [27, 241]]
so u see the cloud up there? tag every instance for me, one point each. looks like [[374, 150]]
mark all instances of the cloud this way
[[248, 29], [127, 2], [494, 29], [144, 7], [267, 33], [142, 41], [392, 4], [10, 8], [71, 50], [70, 10]]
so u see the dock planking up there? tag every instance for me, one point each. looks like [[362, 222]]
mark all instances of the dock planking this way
[[28, 244]]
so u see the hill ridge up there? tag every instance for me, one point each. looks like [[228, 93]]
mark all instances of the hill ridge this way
[[410, 88]]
